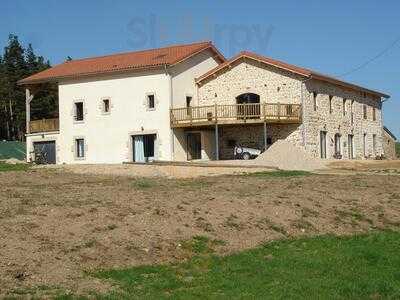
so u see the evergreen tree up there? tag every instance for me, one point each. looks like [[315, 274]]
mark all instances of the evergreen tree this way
[[16, 64]]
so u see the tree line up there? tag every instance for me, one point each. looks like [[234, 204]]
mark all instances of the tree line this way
[[16, 63]]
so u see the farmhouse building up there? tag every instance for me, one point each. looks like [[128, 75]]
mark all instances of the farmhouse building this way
[[188, 102]]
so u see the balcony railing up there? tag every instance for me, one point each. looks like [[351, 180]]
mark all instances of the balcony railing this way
[[236, 113], [44, 125]]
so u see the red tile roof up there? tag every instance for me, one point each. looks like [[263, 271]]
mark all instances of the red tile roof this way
[[288, 67], [146, 59]]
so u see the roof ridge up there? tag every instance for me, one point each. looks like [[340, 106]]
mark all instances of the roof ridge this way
[[139, 51]]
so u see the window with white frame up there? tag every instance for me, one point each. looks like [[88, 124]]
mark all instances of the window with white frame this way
[[78, 111], [151, 101], [105, 105], [80, 148]]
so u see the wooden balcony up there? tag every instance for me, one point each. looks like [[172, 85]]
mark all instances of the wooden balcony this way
[[44, 125], [235, 114]]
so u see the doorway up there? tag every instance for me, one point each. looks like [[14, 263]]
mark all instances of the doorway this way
[[193, 143], [45, 152], [350, 143], [338, 148], [322, 141], [250, 107], [143, 147]]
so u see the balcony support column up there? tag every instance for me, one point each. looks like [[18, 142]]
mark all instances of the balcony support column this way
[[28, 100], [265, 135], [216, 142]]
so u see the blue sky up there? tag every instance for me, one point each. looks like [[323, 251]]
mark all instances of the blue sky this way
[[332, 37]]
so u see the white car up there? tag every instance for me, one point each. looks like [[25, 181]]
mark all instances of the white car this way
[[245, 153]]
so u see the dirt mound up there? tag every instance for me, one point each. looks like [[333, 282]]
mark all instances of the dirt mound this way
[[287, 156]]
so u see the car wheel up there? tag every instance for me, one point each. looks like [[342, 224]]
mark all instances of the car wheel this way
[[246, 156]]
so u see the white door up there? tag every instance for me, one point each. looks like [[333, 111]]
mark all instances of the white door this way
[[138, 148]]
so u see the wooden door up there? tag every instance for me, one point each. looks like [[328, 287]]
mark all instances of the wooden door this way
[[193, 145]]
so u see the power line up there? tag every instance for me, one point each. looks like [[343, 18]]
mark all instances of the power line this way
[[380, 54]]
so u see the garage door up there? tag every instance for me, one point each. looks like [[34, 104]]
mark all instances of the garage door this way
[[45, 152]]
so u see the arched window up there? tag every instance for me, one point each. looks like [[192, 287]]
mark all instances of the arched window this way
[[248, 106]]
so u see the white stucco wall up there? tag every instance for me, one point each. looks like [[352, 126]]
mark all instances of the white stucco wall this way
[[183, 84], [42, 137], [108, 136]]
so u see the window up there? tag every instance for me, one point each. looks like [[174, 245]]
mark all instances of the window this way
[[78, 111], [151, 101], [330, 104], [374, 114], [106, 105], [365, 111], [344, 107], [80, 148], [314, 95], [189, 105], [352, 111]]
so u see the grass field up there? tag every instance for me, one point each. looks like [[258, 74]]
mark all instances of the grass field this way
[[13, 167], [326, 267], [267, 235]]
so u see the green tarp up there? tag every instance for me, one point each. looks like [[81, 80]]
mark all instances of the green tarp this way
[[12, 150]]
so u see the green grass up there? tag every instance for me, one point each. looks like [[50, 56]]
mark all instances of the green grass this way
[[326, 267], [280, 173], [10, 167], [144, 183]]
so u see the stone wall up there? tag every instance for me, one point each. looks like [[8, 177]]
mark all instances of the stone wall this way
[[252, 136], [338, 119], [389, 146], [271, 84], [274, 85]]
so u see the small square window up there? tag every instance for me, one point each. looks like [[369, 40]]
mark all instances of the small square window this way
[[80, 148], [106, 105], [78, 111], [150, 101]]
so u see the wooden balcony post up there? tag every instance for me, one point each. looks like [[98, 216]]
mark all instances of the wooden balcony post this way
[[28, 99], [279, 110]]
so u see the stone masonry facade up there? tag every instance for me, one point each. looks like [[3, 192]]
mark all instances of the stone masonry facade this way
[[336, 110]]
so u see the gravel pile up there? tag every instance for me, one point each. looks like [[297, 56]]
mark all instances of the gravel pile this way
[[286, 156]]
